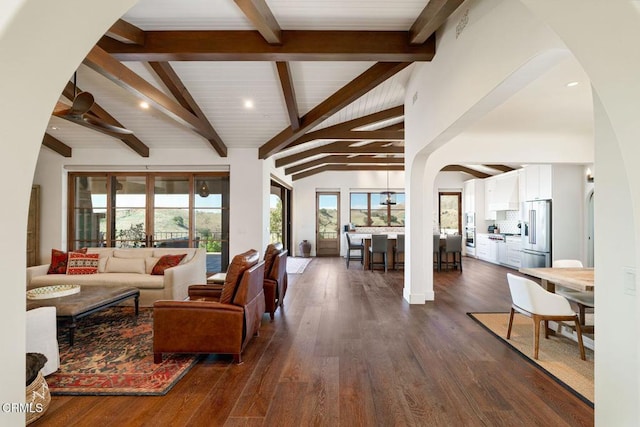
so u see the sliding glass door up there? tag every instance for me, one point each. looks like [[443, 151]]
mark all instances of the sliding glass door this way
[[151, 210]]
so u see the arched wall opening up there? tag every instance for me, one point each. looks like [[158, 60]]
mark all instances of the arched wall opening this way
[[433, 126], [39, 53]]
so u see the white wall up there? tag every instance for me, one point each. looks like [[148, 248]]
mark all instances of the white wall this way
[[511, 58], [304, 198], [613, 67], [249, 183], [31, 35]]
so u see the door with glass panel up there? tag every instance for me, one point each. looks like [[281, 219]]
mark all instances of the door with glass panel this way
[[327, 224], [171, 213], [173, 210], [211, 219], [129, 225]]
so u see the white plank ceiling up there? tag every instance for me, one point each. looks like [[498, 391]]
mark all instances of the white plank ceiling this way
[[221, 88]]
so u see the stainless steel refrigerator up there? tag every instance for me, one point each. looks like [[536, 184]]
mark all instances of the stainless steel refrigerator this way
[[536, 236]]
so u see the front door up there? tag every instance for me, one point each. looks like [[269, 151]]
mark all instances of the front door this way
[[327, 224]]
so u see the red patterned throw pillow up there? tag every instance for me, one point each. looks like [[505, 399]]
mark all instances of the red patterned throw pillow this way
[[80, 263], [167, 261], [59, 261]]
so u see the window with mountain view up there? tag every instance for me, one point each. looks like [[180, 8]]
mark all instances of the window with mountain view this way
[[127, 210], [367, 210]]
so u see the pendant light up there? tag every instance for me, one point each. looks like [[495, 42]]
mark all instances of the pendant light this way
[[203, 189], [389, 197]]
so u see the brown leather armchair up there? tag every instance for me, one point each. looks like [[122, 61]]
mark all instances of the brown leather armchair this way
[[275, 277], [208, 323]]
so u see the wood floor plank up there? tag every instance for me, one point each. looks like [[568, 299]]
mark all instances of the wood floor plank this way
[[347, 349]]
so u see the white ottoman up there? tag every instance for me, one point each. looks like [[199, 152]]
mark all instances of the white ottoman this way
[[42, 336]]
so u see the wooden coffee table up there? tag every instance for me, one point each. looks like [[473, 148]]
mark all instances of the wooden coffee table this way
[[89, 300]]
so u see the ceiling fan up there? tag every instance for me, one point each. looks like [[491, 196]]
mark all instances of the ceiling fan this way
[[79, 113]]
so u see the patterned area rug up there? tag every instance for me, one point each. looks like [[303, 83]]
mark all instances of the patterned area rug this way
[[113, 355], [297, 265], [558, 356]]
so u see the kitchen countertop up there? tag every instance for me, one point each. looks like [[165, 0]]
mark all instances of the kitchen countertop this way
[[368, 235]]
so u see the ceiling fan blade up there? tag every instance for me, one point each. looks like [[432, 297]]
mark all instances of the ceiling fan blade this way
[[81, 104], [96, 122]]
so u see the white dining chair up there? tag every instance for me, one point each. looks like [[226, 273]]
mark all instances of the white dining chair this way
[[533, 301], [582, 299]]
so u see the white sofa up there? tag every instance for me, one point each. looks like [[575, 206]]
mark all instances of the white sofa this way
[[132, 267]]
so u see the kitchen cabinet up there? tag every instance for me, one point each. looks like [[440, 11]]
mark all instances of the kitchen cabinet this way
[[473, 199], [469, 199], [502, 252], [513, 249], [482, 246], [489, 197], [486, 248], [538, 182]]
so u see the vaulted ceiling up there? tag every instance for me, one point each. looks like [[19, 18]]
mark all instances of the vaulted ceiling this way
[[318, 85]]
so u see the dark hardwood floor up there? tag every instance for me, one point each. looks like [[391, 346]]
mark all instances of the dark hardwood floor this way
[[348, 350]]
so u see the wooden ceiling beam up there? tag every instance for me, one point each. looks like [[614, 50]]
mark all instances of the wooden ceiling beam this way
[[342, 147], [501, 168], [384, 46], [125, 32], [460, 168], [284, 73], [336, 159], [171, 80], [353, 90], [106, 65], [431, 18], [262, 19], [56, 145], [130, 140], [386, 135], [325, 133], [348, 168]]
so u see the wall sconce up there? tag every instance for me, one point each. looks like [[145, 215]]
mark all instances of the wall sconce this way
[[589, 175]]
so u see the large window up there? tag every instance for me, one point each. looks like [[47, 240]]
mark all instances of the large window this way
[[367, 210], [127, 210]]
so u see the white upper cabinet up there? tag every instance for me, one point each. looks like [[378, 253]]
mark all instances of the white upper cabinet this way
[[538, 182], [489, 198], [469, 198]]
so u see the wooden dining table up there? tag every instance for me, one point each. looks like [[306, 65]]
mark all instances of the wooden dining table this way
[[579, 279]]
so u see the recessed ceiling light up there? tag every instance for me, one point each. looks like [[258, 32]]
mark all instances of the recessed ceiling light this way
[[54, 128], [248, 104], [572, 84], [144, 105]]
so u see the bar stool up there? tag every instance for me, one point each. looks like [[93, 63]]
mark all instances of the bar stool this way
[[437, 252], [397, 250], [454, 246], [351, 246], [378, 246]]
